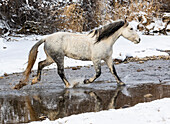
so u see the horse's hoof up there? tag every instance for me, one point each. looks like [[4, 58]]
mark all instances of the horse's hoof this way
[[19, 86], [72, 85], [121, 84], [86, 81], [34, 81], [68, 86]]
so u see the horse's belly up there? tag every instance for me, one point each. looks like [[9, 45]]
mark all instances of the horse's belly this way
[[80, 53], [83, 57], [78, 50]]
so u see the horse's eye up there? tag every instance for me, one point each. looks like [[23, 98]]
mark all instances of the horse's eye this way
[[131, 28]]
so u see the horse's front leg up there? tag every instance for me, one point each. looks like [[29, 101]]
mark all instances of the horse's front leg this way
[[97, 66], [60, 68], [110, 64]]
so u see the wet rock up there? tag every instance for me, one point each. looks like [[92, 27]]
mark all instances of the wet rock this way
[[5, 74], [159, 67], [117, 63], [126, 106], [148, 95], [141, 62], [4, 47], [88, 66], [139, 70], [76, 68], [44, 73], [42, 118], [126, 62]]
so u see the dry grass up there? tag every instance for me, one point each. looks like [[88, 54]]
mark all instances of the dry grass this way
[[134, 10], [73, 15], [75, 18], [79, 16]]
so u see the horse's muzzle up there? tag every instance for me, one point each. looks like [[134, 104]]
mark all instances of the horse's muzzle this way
[[137, 41]]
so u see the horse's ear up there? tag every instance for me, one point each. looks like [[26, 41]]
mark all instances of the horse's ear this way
[[125, 20], [126, 23]]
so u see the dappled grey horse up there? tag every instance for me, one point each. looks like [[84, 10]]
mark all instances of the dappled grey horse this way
[[94, 46]]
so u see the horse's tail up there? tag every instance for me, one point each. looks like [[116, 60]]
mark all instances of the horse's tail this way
[[32, 58]]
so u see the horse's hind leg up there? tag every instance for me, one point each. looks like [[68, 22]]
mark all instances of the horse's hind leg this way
[[41, 65], [97, 66]]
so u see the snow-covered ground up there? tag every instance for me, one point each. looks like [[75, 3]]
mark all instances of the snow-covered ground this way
[[14, 52], [155, 112]]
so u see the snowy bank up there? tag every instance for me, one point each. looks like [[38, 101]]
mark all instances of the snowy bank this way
[[14, 53], [155, 112]]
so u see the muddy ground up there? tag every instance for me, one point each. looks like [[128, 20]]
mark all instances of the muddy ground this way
[[145, 81]]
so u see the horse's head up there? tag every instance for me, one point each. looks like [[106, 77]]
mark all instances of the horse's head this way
[[129, 33]]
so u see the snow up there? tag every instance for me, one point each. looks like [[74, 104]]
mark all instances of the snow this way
[[26, 1], [151, 26], [168, 27], [2, 44], [3, 24], [155, 112], [159, 25], [149, 46], [144, 19], [14, 52], [166, 15]]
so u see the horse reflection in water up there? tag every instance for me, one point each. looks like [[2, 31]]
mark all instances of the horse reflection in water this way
[[94, 46], [67, 106], [56, 105]]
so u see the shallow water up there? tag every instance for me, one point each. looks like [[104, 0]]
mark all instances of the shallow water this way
[[18, 109], [145, 82]]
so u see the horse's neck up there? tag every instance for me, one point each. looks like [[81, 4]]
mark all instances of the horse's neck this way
[[115, 36]]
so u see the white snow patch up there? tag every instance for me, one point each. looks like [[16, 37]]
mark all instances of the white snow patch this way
[[166, 15], [151, 26], [148, 47], [3, 46], [168, 27], [159, 25], [26, 1]]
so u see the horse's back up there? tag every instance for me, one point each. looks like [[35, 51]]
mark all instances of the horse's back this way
[[76, 46]]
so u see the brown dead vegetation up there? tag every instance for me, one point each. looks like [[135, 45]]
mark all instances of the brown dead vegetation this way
[[46, 16]]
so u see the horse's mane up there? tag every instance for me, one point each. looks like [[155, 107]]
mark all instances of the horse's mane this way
[[108, 30]]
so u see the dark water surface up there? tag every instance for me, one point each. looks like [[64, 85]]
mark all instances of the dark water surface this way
[[145, 82]]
